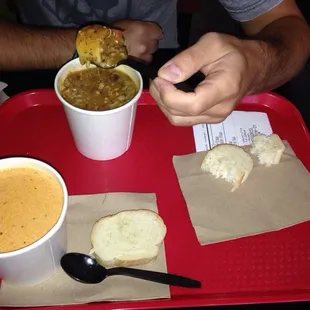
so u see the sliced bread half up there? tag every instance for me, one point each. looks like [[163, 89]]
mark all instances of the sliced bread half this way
[[228, 162], [100, 45], [268, 149], [127, 238]]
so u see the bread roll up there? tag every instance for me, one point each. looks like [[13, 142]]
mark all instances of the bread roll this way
[[127, 238], [101, 46], [228, 162], [268, 149]]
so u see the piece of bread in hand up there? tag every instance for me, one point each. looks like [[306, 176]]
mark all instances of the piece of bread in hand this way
[[100, 45], [228, 162], [268, 149], [127, 238]]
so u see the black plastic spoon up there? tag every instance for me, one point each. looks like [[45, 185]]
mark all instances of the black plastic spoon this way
[[84, 268]]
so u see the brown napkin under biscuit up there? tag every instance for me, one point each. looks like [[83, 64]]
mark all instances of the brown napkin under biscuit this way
[[83, 211], [270, 199]]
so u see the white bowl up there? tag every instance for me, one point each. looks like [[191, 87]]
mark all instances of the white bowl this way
[[100, 135], [38, 261]]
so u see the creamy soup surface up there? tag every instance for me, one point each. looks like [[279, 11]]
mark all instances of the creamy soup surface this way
[[30, 204]]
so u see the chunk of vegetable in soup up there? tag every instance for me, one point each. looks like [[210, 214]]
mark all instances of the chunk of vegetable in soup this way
[[97, 89]]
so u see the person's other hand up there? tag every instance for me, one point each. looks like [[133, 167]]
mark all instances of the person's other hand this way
[[230, 66], [141, 38]]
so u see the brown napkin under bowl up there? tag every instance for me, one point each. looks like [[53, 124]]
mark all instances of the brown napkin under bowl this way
[[83, 211], [272, 198]]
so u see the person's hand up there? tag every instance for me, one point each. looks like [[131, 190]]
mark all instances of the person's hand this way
[[231, 67], [141, 38]]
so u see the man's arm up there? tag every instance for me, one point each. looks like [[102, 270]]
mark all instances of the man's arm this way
[[276, 48], [27, 47], [282, 42]]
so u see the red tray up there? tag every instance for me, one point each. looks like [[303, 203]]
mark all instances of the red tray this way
[[271, 267]]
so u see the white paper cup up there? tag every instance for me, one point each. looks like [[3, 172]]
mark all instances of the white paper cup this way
[[38, 261], [100, 135]]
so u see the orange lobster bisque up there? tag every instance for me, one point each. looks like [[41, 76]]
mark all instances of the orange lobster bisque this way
[[30, 204]]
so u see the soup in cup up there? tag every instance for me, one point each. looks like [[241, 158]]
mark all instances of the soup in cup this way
[[100, 106], [33, 207]]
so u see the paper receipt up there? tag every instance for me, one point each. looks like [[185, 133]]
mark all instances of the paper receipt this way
[[238, 128]]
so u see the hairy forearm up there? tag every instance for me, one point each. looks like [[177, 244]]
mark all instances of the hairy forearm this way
[[27, 47], [281, 50]]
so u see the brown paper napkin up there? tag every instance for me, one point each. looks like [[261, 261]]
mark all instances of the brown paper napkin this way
[[270, 199], [61, 290]]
